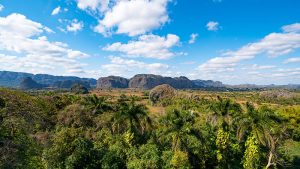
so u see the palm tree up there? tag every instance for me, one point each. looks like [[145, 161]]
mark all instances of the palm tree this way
[[222, 116], [178, 129], [98, 105], [258, 124], [223, 112], [132, 116]]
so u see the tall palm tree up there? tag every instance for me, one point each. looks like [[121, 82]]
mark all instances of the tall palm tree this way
[[178, 127], [222, 113], [221, 117], [178, 130], [132, 116], [259, 124], [98, 105]]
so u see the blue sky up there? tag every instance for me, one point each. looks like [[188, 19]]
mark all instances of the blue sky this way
[[233, 41]]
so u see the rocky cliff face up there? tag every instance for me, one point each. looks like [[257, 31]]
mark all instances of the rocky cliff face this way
[[145, 81], [112, 82], [149, 81], [27, 84]]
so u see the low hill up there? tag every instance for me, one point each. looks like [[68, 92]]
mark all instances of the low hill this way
[[27, 84]]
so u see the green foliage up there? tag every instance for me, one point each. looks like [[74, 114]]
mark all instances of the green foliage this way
[[63, 130], [79, 89], [71, 150], [146, 156], [2, 103], [251, 156], [180, 160], [130, 116], [222, 143], [17, 148], [97, 105], [290, 151]]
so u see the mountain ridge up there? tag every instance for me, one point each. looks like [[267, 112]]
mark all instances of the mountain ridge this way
[[142, 81]]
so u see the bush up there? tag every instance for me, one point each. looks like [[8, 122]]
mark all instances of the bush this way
[[79, 89]]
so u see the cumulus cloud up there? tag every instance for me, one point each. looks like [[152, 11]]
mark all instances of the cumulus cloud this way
[[291, 28], [75, 26], [93, 5], [274, 44], [128, 67], [193, 38], [33, 50], [1, 7], [212, 26], [56, 11], [133, 17], [149, 46], [19, 25], [292, 60]]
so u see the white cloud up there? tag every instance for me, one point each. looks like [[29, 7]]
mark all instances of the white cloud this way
[[193, 38], [93, 5], [19, 25], [212, 26], [39, 64], [75, 26], [262, 67], [56, 11], [133, 17], [77, 54], [1, 7], [292, 60], [149, 46], [128, 67], [34, 52], [274, 44], [291, 28]]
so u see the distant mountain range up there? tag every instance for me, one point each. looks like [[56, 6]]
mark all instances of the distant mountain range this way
[[141, 81], [26, 80]]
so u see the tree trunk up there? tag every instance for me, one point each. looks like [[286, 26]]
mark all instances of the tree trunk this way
[[270, 160]]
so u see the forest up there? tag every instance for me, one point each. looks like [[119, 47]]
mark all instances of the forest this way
[[129, 129]]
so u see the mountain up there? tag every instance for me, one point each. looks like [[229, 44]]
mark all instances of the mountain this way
[[27, 84], [141, 81], [13, 79], [149, 81], [67, 84], [112, 82]]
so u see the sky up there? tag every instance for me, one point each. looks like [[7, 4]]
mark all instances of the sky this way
[[233, 41]]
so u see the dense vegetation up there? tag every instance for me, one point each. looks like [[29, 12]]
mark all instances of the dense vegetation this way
[[63, 130]]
